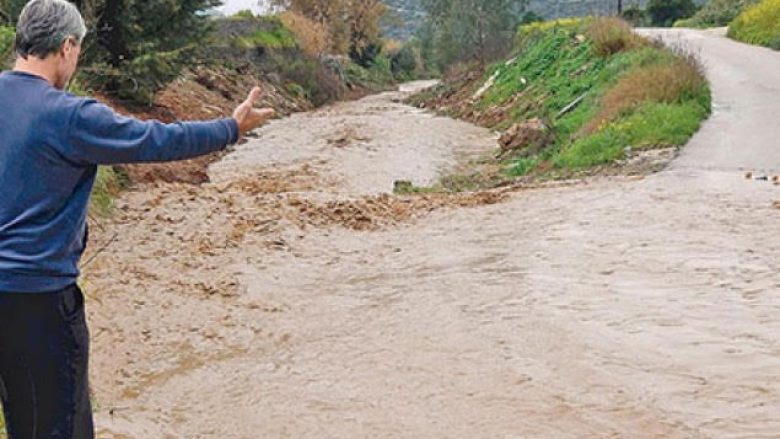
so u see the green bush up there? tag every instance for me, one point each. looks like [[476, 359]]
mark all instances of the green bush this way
[[758, 24], [715, 13], [612, 35], [7, 35], [636, 16], [277, 38], [666, 12], [243, 15], [405, 63], [108, 184], [138, 79]]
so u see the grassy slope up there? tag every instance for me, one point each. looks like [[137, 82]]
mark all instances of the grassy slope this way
[[758, 24], [556, 65]]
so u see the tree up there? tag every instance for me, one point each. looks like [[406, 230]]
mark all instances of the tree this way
[[134, 46], [138, 45], [478, 30], [354, 25], [666, 12]]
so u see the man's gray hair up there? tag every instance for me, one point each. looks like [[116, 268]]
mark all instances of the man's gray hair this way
[[45, 24]]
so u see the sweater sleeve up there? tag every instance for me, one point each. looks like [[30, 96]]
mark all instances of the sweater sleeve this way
[[98, 135]]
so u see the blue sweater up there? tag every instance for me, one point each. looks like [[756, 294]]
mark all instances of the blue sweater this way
[[50, 145]]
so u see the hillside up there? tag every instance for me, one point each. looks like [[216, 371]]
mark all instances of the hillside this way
[[406, 15], [580, 95]]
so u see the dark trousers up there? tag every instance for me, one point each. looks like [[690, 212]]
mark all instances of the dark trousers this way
[[44, 351]]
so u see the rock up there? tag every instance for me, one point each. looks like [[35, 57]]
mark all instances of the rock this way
[[525, 138]]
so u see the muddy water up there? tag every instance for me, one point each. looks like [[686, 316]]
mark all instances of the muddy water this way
[[258, 306]]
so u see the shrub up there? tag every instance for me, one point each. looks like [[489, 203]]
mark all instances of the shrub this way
[[531, 17], [716, 13], [313, 38], [405, 62], [6, 44], [321, 84], [243, 15], [277, 37], [758, 24], [636, 16], [108, 184], [138, 79], [678, 81], [612, 35], [666, 12], [540, 27]]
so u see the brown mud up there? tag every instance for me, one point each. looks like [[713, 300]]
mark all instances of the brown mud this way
[[291, 297]]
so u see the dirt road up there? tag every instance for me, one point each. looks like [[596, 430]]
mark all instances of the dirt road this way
[[288, 299]]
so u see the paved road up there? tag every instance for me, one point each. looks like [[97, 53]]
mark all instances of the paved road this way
[[744, 131]]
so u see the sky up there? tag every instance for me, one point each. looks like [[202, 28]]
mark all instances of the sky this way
[[233, 6]]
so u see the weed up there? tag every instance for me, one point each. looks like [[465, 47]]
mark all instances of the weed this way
[[108, 184], [611, 35], [758, 24], [677, 81], [651, 125]]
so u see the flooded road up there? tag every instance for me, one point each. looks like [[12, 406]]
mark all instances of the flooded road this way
[[290, 298]]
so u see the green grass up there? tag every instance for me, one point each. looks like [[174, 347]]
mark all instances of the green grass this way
[[650, 126], [108, 184], [7, 35], [278, 38], [268, 32], [758, 24]]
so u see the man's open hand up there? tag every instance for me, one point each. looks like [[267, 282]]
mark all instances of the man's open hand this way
[[249, 117]]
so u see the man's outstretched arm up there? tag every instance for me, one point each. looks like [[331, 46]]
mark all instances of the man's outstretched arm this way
[[97, 135]]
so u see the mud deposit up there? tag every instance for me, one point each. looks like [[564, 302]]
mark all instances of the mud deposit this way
[[291, 297]]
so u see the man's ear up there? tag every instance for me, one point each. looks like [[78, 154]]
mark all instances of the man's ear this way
[[67, 46]]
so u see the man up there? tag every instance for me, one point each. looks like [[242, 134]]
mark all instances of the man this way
[[50, 145]]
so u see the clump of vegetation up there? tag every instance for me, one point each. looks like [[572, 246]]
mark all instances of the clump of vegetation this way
[[758, 24], [635, 15], [277, 37], [612, 35], [108, 184], [665, 13], [313, 37], [537, 28], [6, 44], [715, 13], [353, 25], [672, 81]]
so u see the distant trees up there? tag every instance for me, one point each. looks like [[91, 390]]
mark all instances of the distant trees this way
[[470, 30], [354, 25], [666, 12]]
